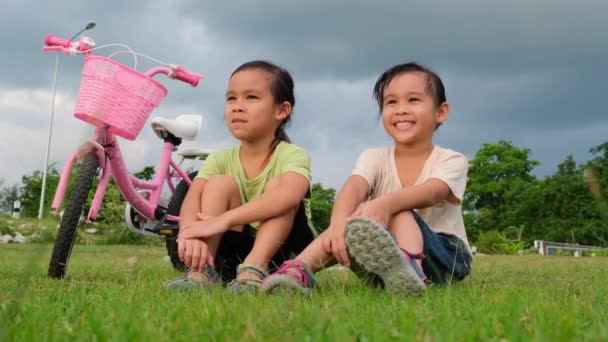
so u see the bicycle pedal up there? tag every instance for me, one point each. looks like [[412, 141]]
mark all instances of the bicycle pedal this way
[[167, 232]]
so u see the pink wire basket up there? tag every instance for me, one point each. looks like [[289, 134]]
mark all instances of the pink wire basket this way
[[115, 95]]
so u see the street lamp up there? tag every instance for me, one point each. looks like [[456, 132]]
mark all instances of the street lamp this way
[[89, 26]]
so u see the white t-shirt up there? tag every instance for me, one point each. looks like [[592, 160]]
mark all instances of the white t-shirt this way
[[377, 166]]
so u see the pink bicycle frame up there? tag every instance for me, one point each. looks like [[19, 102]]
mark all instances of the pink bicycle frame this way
[[114, 165], [105, 145]]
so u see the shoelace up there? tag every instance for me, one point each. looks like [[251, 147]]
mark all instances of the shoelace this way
[[410, 258]]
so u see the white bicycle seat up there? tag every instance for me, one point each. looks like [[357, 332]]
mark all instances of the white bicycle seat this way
[[184, 126]]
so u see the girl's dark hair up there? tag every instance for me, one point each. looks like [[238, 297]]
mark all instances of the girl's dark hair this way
[[281, 86], [434, 85]]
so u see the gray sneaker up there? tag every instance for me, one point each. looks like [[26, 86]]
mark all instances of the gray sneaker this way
[[366, 277], [375, 249], [186, 283]]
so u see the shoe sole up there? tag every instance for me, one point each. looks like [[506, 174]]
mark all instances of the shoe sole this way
[[375, 250], [283, 282]]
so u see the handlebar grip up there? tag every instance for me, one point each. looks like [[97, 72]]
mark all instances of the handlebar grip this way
[[51, 40], [186, 76], [56, 48]]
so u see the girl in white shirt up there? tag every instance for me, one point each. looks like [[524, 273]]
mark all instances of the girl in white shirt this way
[[398, 219]]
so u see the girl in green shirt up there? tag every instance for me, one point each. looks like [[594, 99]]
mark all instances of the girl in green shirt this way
[[248, 209]]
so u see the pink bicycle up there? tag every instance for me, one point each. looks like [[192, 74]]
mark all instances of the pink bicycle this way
[[118, 100]]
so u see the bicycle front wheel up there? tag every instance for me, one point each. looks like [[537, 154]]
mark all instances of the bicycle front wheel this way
[[71, 216]]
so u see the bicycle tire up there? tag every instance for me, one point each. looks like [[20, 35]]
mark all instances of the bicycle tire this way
[[71, 217], [175, 205]]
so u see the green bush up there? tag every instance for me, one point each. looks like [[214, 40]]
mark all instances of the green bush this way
[[5, 228], [600, 253], [121, 235], [47, 234], [512, 247], [493, 242], [530, 251], [487, 242]]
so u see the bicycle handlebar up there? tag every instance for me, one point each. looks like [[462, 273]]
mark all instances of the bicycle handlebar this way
[[51, 40], [67, 51], [68, 47], [184, 75]]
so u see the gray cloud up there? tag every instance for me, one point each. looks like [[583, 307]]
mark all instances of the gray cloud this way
[[354, 39], [530, 72]]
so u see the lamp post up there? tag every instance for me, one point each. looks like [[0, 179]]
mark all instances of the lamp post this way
[[89, 26]]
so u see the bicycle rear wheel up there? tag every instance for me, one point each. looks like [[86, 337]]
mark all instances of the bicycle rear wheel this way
[[71, 216]]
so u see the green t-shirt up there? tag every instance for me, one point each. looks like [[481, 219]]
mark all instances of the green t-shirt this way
[[285, 158]]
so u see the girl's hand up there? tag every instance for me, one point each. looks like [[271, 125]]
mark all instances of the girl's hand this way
[[194, 253], [375, 210], [333, 244], [208, 226]]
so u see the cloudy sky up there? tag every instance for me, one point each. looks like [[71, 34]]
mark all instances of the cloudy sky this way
[[532, 72]]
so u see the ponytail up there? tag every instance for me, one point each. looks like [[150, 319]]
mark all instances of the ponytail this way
[[279, 135]]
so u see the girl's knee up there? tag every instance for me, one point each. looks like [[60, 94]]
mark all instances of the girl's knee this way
[[406, 214], [225, 183], [274, 183], [403, 218], [221, 189]]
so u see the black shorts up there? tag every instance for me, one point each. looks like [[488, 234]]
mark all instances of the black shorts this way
[[235, 246]]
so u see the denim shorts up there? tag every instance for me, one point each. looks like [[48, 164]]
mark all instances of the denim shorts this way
[[446, 257]]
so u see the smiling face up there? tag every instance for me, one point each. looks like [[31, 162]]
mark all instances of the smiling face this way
[[251, 112], [409, 113]]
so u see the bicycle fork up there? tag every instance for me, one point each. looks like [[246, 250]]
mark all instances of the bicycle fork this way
[[86, 148]]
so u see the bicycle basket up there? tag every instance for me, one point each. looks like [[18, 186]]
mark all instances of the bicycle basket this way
[[115, 95]]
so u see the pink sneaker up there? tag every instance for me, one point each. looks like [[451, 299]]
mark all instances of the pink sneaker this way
[[292, 275]]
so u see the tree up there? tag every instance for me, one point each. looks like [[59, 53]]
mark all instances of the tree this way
[[567, 211], [499, 175], [557, 208], [495, 172], [322, 201], [599, 165], [30, 191], [596, 173], [147, 173], [8, 196]]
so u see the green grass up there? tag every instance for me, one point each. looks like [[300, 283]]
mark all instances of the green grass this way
[[104, 298]]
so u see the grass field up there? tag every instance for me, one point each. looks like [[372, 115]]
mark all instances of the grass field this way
[[106, 297]]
